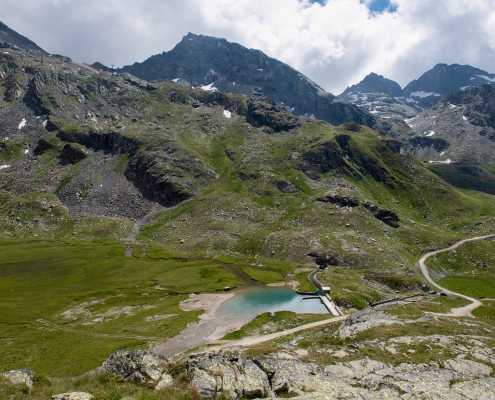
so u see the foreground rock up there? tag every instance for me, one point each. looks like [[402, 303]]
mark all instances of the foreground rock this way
[[282, 375], [72, 396], [365, 319], [20, 377], [230, 374], [136, 365]]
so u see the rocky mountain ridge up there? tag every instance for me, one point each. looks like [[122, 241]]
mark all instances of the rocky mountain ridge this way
[[385, 98], [214, 64], [457, 134], [11, 39], [380, 96]]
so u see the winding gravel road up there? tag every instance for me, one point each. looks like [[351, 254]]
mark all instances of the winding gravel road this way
[[455, 312]]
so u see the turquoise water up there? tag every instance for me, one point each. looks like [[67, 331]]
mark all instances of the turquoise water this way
[[249, 303], [254, 298]]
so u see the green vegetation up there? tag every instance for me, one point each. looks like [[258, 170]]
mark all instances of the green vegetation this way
[[467, 177], [263, 275], [102, 385], [348, 288], [240, 196], [305, 286], [267, 323], [322, 343], [435, 304], [94, 301], [468, 270]]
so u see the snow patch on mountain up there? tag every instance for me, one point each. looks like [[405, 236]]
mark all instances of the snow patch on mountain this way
[[210, 87], [424, 94], [492, 80]]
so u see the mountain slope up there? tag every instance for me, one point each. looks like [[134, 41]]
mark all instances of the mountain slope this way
[[442, 80], [245, 177], [380, 96], [215, 64], [458, 132], [9, 37]]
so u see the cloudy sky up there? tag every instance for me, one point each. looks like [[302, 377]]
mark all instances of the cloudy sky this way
[[334, 42]]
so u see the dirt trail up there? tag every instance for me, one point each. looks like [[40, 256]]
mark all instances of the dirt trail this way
[[252, 340], [455, 312], [147, 218]]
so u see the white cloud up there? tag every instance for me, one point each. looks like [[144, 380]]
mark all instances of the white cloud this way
[[335, 44]]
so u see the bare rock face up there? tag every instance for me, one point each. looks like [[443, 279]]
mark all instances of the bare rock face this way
[[230, 374], [264, 112], [20, 377], [43, 145], [388, 217], [341, 200], [203, 61], [286, 187], [74, 153], [365, 319], [136, 365], [328, 257]]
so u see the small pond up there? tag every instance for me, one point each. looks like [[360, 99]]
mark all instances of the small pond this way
[[254, 298]]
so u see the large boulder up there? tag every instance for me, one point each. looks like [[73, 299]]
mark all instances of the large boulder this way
[[231, 374], [365, 319], [136, 365], [73, 153], [20, 377]]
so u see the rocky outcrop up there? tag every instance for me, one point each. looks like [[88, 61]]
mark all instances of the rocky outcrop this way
[[328, 258], [370, 205], [286, 187], [229, 374], [217, 65], [72, 396], [342, 154], [43, 145], [136, 365], [287, 376], [73, 153], [388, 217], [20, 377], [263, 112], [341, 200], [362, 320]]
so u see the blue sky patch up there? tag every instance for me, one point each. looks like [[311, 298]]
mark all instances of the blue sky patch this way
[[376, 6], [379, 6]]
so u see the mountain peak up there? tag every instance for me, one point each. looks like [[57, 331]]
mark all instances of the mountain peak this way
[[10, 38], [215, 64], [444, 79], [374, 83]]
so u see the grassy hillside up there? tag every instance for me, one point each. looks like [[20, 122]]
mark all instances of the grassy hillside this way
[[183, 174]]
